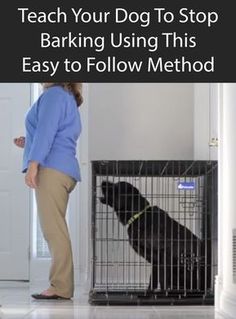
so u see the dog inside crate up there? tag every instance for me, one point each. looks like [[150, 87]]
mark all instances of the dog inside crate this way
[[150, 234]]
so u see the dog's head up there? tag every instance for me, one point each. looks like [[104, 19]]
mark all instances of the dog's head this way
[[124, 198]]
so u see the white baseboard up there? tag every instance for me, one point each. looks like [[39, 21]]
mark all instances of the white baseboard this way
[[227, 305], [81, 276], [218, 291], [14, 284], [224, 315]]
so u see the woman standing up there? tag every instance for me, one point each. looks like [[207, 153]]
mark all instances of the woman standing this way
[[53, 127]]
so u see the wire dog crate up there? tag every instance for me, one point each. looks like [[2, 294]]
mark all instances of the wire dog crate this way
[[154, 232]]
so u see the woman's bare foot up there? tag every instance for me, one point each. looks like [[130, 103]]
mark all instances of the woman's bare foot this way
[[47, 293]]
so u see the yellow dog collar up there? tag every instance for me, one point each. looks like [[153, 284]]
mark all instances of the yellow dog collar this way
[[134, 217]]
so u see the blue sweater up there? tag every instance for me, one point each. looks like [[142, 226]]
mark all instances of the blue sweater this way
[[53, 127]]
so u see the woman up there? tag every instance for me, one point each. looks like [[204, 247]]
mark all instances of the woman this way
[[52, 129]]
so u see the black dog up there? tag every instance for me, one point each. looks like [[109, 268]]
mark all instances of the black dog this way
[[174, 252]]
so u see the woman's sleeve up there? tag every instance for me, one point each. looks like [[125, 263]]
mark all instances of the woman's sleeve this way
[[50, 112]]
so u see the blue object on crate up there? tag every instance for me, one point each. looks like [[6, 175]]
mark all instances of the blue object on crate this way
[[186, 185]]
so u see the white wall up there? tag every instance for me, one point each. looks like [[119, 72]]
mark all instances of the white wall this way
[[151, 121], [201, 121], [206, 101], [225, 286]]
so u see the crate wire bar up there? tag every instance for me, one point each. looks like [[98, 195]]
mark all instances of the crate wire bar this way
[[168, 254]]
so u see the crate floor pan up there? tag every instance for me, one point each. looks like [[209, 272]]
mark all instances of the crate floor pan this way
[[153, 298]]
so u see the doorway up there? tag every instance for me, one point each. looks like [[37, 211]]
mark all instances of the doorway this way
[[14, 195]]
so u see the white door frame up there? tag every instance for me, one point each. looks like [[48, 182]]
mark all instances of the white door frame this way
[[14, 99]]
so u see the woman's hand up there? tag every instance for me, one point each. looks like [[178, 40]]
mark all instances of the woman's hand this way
[[19, 141], [32, 175]]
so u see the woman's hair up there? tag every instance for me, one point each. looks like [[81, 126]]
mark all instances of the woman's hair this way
[[74, 88]]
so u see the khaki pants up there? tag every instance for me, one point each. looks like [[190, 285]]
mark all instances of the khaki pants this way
[[52, 196]]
